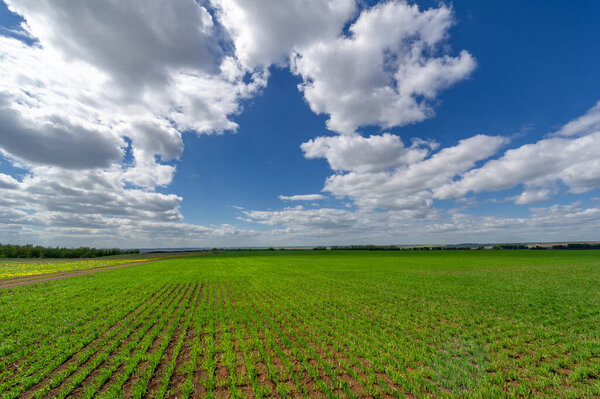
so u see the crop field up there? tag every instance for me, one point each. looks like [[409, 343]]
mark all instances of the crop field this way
[[480, 324], [10, 268]]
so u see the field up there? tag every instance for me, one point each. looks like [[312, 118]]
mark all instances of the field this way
[[13, 268], [480, 324], [10, 268]]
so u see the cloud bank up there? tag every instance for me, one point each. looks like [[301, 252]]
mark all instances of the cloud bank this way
[[95, 99]]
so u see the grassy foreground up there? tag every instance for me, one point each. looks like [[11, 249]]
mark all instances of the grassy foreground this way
[[316, 324]]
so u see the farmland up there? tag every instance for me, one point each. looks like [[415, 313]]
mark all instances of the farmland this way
[[311, 324], [10, 268]]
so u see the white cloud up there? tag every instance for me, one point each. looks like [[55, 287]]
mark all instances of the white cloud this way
[[334, 226], [298, 218], [65, 144], [379, 172], [385, 73], [93, 192], [404, 180], [126, 78], [532, 196], [394, 196], [356, 153], [266, 32], [95, 110], [585, 124], [59, 206], [573, 161], [302, 197], [154, 71], [137, 43], [101, 82], [7, 181]]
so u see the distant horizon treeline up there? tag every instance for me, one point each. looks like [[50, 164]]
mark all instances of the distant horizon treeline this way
[[393, 248], [574, 245], [37, 251], [458, 247]]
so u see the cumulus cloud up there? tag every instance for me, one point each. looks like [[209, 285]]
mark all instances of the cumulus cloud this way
[[532, 196], [94, 207], [153, 71], [379, 172], [85, 148], [302, 197], [298, 217], [266, 32], [94, 103], [386, 72], [587, 123], [572, 161], [137, 43], [356, 153], [335, 226], [7, 181], [93, 107], [94, 192], [384, 174]]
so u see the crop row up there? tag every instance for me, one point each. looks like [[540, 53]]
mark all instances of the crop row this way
[[222, 328]]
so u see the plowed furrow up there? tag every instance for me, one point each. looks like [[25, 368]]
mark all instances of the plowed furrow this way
[[314, 344], [181, 384], [72, 374], [274, 337], [41, 359], [103, 368], [141, 386], [57, 368], [17, 356], [164, 372], [203, 349]]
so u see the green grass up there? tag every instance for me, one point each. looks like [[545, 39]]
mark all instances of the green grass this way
[[479, 324], [10, 268]]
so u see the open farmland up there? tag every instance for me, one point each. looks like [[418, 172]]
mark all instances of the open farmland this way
[[24, 269], [311, 324], [11, 268]]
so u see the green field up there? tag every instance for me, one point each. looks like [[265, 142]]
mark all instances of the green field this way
[[10, 268], [479, 324]]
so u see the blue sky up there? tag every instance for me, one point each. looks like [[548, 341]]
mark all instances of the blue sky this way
[[418, 122]]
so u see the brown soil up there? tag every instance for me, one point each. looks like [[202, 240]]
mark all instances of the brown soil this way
[[117, 326], [328, 353], [180, 375], [156, 382], [143, 367], [21, 359], [90, 377]]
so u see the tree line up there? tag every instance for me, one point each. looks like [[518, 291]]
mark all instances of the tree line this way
[[394, 248], [36, 251], [457, 247]]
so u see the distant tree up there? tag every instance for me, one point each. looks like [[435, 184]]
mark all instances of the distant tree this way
[[31, 251]]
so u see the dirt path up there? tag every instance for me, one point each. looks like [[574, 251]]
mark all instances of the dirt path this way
[[38, 278]]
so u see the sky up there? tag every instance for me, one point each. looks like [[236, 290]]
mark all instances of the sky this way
[[298, 122]]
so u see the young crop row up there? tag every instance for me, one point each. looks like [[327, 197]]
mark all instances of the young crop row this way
[[73, 335], [64, 358], [271, 325]]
